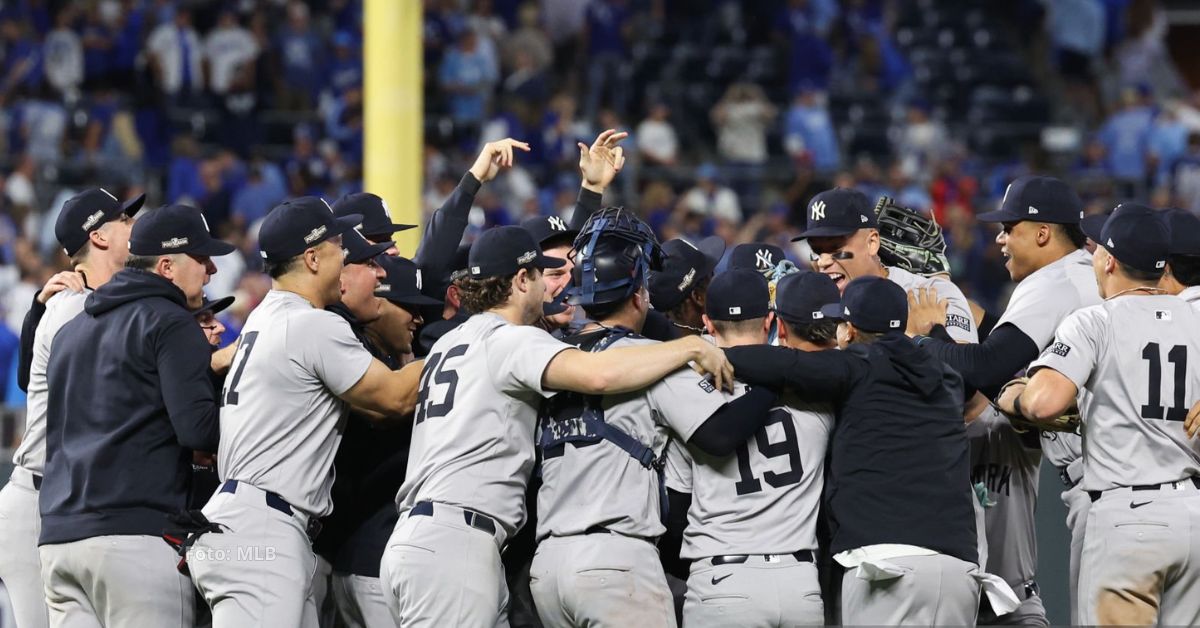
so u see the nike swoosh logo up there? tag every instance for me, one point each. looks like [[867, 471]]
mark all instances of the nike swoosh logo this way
[[1139, 504], [716, 580]]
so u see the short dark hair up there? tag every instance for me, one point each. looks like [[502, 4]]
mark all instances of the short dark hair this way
[[481, 295], [1144, 276], [141, 262], [701, 287], [1185, 269], [1074, 234], [865, 337], [821, 332], [601, 311], [278, 269], [747, 326]]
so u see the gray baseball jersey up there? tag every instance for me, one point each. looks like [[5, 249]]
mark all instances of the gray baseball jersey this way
[[1191, 295], [473, 433], [1007, 463], [1131, 354], [960, 322], [763, 499], [281, 418], [601, 484], [61, 308], [1037, 306]]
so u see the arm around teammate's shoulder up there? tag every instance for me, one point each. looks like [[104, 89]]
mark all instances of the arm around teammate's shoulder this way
[[386, 394], [626, 369], [815, 376], [182, 357]]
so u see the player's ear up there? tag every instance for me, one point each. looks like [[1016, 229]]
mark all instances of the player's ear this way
[[310, 259], [1044, 233], [708, 326], [783, 330], [767, 322], [873, 242]]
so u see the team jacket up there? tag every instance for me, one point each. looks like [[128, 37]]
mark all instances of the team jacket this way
[[130, 399]]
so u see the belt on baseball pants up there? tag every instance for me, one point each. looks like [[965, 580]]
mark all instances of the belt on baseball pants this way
[[474, 519], [25, 478], [1195, 481], [802, 556], [312, 525]]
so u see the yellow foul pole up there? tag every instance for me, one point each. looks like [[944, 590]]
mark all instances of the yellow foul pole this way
[[392, 123]]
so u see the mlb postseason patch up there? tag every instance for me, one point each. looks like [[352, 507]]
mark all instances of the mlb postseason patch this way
[[706, 386], [1060, 349], [959, 321]]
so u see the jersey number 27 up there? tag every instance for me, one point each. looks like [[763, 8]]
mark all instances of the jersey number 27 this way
[[789, 447]]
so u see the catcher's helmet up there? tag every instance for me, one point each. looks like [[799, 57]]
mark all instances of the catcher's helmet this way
[[612, 255]]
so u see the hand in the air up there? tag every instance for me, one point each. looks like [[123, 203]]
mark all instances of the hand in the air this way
[[600, 162], [494, 157]]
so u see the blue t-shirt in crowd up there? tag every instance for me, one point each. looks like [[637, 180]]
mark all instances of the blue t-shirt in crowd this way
[[1125, 138]]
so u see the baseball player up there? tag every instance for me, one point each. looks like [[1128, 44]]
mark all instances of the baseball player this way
[[678, 288], [377, 226], [899, 440], [130, 399], [473, 434], [1126, 362], [283, 411], [1043, 244], [600, 507], [556, 238], [752, 523], [1183, 266], [843, 234], [93, 229]]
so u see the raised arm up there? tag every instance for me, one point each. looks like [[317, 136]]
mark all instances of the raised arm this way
[[598, 166], [626, 369]]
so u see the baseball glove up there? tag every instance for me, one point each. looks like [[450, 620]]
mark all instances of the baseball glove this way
[[910, 240], [1068, 422]]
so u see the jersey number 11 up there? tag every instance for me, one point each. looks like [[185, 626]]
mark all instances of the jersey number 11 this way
[[1178, 357]]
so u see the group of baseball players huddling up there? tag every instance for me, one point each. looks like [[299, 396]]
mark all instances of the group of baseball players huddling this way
[[571, 424]]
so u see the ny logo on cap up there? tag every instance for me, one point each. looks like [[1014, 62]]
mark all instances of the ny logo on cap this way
[[315, 234], [1033, 210], [818, 210], [174, 243], [764, 259], [92, 220], [557, 223]]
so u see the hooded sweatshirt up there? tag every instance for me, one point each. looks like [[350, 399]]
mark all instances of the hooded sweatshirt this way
[[130, 399], [899, 469]]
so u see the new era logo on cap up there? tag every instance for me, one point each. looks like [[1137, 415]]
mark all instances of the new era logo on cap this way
[[862, 218], [1033, 210], [1110, 244]]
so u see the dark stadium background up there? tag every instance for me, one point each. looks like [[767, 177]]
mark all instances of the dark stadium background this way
[[739, 111]]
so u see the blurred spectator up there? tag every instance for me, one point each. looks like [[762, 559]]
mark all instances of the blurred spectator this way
[[526, 84], [97, 40], [802, 26], [43, 124], [19, 190], [951, 186], [1167, 143], [63, 54], [230, 50], [491, 31], [1143, 56], [307, 172], [345, 69], [604, 36], [921, 140], [1076, 30], [176, 58], [808, 132], [710, 199], [741, 118], [1126, 136], [466, 76], [530, 39], [183, 176], [22, 56], [657, 141], [302, 57], [1186, 176], [265, 187]]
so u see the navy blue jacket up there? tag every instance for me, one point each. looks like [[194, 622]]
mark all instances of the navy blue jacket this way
[[130, 398], [899, 462]]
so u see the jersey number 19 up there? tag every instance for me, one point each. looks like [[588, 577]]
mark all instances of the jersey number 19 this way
[[789, 447]]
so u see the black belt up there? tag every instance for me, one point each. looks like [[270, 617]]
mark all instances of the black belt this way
[[476, 520], [280, 504], [1148, 487], [37, 481], [803, 556], [1065, 476]]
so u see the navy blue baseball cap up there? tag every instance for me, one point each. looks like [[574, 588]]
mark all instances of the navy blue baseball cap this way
[[502, 251], [356, 249], [684, 266], [402, 285], [1037, 199], [213, 306], [873, 304], [175, 229], [1184, 227], [1134, 234], [549, 229], [800, 297], [738, 295], [838, 212], [376, 219], [757, 256], [87, 211], [299, 224]]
